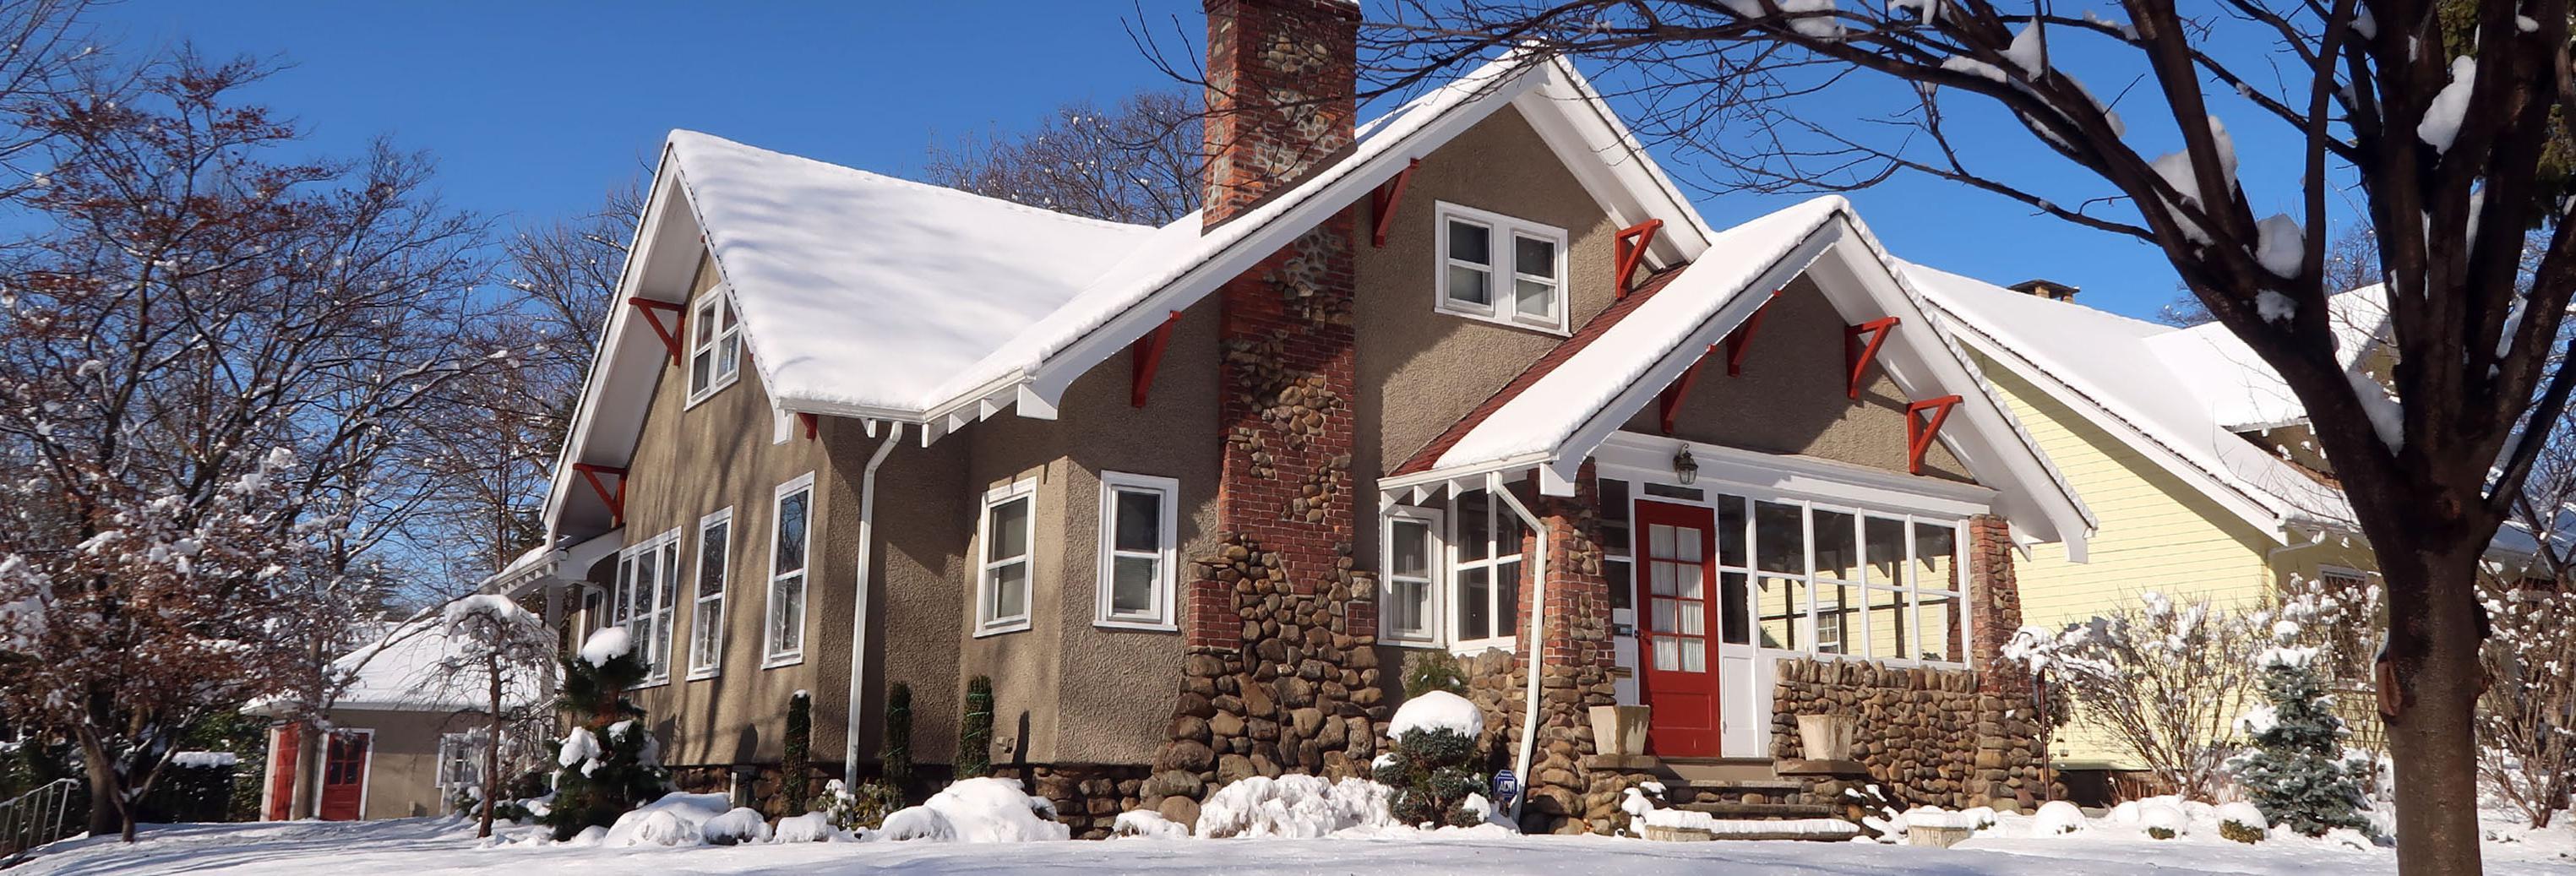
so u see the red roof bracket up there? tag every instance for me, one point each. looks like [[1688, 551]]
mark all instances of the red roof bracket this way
[[1382, 204], [1146, 356], [671, 335], [1630, 248], [616, 500], [1919, 434], [1741, 337], [1859, 355], [810, 422], [1669, 404]]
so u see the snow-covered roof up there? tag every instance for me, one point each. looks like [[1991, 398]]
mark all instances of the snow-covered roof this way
[[2179, 396], [2241, 390], [1554, 422], [399, 672]]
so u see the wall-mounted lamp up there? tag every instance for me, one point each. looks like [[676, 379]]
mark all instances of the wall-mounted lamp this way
[[1684, 467]]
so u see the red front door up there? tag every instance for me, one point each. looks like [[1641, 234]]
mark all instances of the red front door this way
[[344, 775], [1677, 638], [281, 772]]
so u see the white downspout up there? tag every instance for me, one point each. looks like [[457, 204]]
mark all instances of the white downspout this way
[[859, 609], [1536, 647]]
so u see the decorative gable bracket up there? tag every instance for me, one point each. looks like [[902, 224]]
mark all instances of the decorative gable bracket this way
[[1669, 404], [1741, 338], [1629, 246], [1146, 356], [1383, 201], [653, 313], [616, 500], [1859, 355], [1920, 432]]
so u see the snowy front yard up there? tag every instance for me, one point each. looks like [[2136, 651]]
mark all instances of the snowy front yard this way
[[426, 846]]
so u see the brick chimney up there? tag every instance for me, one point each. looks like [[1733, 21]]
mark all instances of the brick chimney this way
[[2049, 289], [1280, 79]]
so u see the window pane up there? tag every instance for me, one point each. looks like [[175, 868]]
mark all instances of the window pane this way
[[1836, 554], [1659, 540], [787, 615], [1534, 257], [711, 559], [1614, 501], [1734, 617], [1009, 530], [1507, 598], [1935, 560], [725, 306], [647, 581], [728, 355], [1885, 550], [1623, 587], [1409, 549], [1510, 537], [1668, 654], [1665, 581], [1837, 618], [1533, 298], [1666, 615], [791, 531], [1131, 584], [1889, 632], [1939, 619], [669, 594], [1011, 590], [706, 327], [1473, 520], [1779, 541], [1688, 544], [1468, 286], [1475, 604], [1730, 530], [1410, 605], [1693, 617], [1471, 243], [1140, 521], [699, 363], [1783, 604]]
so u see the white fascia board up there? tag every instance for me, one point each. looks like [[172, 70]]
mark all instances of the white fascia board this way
[[606, 358], [1804, 477]]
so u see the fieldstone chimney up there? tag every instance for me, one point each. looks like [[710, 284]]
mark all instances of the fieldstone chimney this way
[[2049, 289], [1281, 74]]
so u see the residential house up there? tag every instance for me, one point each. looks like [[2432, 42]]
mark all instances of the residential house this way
[[404, 738], [1471, 377]]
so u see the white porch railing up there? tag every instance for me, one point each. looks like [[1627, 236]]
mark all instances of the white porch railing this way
[[37, 817]]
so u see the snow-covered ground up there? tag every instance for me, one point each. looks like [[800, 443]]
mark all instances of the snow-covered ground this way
[[427, 846]]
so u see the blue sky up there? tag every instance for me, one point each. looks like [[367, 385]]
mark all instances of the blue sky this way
[[535, 109]]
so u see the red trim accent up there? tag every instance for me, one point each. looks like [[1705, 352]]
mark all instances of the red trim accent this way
[[679, 320], [617, 500], [1919, 434], [811, 423], [1859, 356], [1147, 355], [1382, 204], [1737, 340], [1630, 248], [1670, 402]]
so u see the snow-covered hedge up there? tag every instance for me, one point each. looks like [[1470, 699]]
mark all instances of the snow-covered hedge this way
[[1293, 806], [978, 810]]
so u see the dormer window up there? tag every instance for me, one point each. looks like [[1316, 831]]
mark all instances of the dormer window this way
[[715, 345], [1500, 269]]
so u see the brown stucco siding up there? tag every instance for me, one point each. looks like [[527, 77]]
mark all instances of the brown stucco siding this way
[[1793, 396], [402, 758]]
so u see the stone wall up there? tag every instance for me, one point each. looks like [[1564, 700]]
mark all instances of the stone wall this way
[[1928, 736], [1087, 797]]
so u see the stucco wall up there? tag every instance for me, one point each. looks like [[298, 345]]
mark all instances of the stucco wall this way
[[1793, 395]]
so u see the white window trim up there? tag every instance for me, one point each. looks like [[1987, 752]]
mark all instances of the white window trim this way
[[713, 663], [717, 297], [1504, 269], [985, 624], [660, 673], [1497, 512], [1435, 584], [1160, 618], [771, 657]]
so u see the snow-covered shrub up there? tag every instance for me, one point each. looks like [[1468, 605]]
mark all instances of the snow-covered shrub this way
[[1636, 802], [2242, 822], [1295, 806], [610, 762], [1431, 765], [737, 825], [861, 808], [677, 819], [811, 827], [2530, 758], [978, 810], [2162, 818], [2056, 818], [2296, 772], [1146, 824], [2165, 677]]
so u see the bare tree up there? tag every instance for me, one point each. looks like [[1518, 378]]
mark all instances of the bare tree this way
[[2528, 721], [2441, 114], [499, 652], [2352, 262], [217, 361], [1137, 162]]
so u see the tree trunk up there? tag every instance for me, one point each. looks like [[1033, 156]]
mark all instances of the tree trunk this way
[[305, 798], [492, 749], [2433, 641], [105, 816]]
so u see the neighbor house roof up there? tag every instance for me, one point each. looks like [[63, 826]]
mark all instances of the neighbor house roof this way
[[401, 672]]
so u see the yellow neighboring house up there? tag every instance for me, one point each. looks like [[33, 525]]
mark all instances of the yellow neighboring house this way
[[2196, 458]]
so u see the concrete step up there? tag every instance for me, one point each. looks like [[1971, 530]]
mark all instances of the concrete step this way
[[1761, 811], [1705, 771]]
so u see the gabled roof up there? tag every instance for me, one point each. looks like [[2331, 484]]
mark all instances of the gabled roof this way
[[869, 297], [1557, 413]]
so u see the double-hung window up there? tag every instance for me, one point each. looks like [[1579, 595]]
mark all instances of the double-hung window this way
[[460, 762], [1409, 608], [791, 537], [1497, 268], [707, 617], [1137, 550], [715, 344], [1003, 562], [1458, 585], [641, 601]]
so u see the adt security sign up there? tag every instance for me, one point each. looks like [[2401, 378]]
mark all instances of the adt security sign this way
[[1506, 786]]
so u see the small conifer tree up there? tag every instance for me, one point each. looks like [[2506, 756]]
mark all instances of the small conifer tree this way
[[2296, 772], [796, 760], [610, 762], [975, 736], [1431, 767], [896, 756]]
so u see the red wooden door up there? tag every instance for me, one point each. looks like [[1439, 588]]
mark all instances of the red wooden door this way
[[281, 775], [344, 775], [1677, 635]]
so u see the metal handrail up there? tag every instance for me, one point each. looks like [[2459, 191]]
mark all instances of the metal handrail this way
[[35, 818]]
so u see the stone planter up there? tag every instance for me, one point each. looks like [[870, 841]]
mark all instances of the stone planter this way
[[1619, 730], [1939, 837], [1676, 834], [1825, 737]]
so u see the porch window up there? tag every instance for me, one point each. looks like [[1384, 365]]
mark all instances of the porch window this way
[[641, 601], [1137, 550], [707, 616], [1843, 581], [1500, 269], [1452, 575], [715, 345], [1002, 544], [791, 539]]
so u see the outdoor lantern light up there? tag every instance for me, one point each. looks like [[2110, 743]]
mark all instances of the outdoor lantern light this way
[[1684, 467]]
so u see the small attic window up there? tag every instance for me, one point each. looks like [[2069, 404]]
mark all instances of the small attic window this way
[[715, 345], [1500, 269]]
